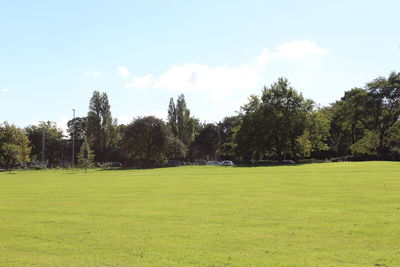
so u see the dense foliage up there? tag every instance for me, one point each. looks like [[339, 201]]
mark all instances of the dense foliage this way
[[280, 124], [14, 146]]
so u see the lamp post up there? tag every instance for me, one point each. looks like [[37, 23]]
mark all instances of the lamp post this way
[[73, 137], [43, 140]]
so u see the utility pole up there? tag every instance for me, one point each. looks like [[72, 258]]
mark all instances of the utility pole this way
[[43, 144], [73, 137], [43, 140]]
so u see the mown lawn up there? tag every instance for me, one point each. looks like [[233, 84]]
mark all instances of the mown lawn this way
[[336, 214]]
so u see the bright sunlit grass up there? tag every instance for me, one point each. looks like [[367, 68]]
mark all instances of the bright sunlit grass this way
[[339, 214]]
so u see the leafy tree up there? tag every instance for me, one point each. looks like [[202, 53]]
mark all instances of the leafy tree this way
[[279, 125], [172, 117], [367, 145], [207, 142], [175, 149], [146, 139], [227, 130], [182, 125], [100, 129], [14, 146], [248, 136], [52, 140], [77, 128], [315, 138], [85, 156], [363, 118], [284, 117], [349, 120], [383, 107]]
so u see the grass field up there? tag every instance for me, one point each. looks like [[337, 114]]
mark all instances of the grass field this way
[[333, 214]]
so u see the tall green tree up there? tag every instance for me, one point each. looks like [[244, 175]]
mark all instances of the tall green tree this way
[[227, 129], [315, 138], [248, 136], [179, 119], [207, 142], [77, 128], [48, 134], [364, 118], [287, 112], [100, 130], [172, 117], [146, 139], [14, 146], [349, 120], [276, 125], [383, 108]]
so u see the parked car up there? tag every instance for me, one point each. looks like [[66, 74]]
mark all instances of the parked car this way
[[228, 163], [112, 165], [288, 161], [214, 163]]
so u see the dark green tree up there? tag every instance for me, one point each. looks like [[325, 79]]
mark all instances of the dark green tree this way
[[349, 120], [383, 108], [248, 136], [77, 128], [207, 142], [284, 118], [51, 136], [100, 130], [146, 139], [14, 146], [227, 129]]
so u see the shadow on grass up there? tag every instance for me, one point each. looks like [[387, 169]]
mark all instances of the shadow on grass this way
[[270, 165], [127, 168], [236, 166]]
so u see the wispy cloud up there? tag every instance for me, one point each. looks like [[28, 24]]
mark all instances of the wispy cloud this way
[[123, 71], [302, 49], [61, 123], [221, 81], [3, 90], [92, 73], [161, 114], [141, 82]]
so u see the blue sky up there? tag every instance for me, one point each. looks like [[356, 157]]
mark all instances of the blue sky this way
[[53, 54]]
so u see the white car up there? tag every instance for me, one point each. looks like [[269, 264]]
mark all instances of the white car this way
[[214, 163], [228, 163]]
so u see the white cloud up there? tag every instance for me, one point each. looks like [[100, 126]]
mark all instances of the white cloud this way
[[302, 49], [307, 76], [123, 119], [141, 82], [62, 124], [123, 71], [261, 61], [92, 73], [221, 81], [161, 114], [3, 89]]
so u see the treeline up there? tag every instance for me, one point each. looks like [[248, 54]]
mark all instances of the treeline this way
[[279, 124]]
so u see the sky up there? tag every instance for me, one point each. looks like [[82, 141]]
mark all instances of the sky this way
[[54, 54]]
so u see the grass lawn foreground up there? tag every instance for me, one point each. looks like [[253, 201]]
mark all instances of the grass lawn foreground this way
[[332, 214]]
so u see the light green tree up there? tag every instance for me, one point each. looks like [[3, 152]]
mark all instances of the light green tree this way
[[14, 146], [179, 119], [85, 156]]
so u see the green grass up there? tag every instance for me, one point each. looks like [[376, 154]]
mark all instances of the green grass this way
[[339, 214]]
